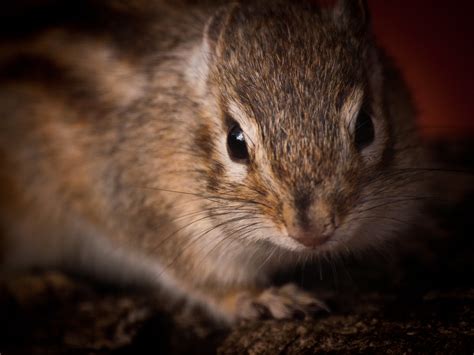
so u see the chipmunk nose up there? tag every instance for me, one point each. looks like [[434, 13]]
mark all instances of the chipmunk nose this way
[[312, 226], [312, 236]]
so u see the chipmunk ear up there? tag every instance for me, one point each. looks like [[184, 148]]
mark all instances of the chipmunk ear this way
[[215, 27], [353, 13], [210, 48]]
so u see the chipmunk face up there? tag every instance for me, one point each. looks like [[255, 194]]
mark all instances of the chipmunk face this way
[[303, 150]]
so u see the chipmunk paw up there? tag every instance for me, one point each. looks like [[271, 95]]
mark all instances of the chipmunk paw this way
[[286, 302]]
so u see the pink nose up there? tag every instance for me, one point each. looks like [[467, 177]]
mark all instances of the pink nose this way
[[311, 226], [310, 239]]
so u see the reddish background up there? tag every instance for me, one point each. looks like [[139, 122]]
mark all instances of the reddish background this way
[[432, 44]]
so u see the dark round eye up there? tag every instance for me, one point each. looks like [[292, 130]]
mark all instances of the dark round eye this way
[[364, 130], [236, 144]]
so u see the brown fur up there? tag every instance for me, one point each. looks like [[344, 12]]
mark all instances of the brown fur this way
[[112, 142]]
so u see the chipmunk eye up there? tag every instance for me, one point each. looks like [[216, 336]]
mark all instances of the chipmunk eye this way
[[236, 144], [364, 130]]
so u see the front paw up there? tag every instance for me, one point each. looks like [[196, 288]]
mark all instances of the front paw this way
[[287, 302]]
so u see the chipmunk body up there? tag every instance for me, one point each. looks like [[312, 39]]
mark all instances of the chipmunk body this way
[[201, 149]]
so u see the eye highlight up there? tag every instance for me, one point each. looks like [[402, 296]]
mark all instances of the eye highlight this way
[[364, 132], [236, 145]]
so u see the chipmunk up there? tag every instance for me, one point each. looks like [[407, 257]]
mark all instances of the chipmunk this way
[[202, 147]]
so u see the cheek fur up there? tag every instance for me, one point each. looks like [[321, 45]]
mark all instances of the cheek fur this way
[[217, 168], [384, 210]]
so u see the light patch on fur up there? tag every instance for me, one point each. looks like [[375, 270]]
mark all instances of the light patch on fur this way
[[119, 81], [237, 172], [247, 124], [350, 109], [114, 76], [197, 69], [252, 136]]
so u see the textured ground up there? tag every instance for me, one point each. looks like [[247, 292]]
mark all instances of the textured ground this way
[[420, 300]]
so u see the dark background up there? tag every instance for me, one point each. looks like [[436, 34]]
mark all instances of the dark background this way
[[432, 43]]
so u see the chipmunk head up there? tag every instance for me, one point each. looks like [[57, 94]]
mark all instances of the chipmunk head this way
[[297, 144]]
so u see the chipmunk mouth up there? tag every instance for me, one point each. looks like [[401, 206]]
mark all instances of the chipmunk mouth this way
[[311, 241]]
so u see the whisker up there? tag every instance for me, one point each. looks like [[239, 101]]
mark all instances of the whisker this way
[[194, 239], [210, 216], [409, 224], [388, 203]]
